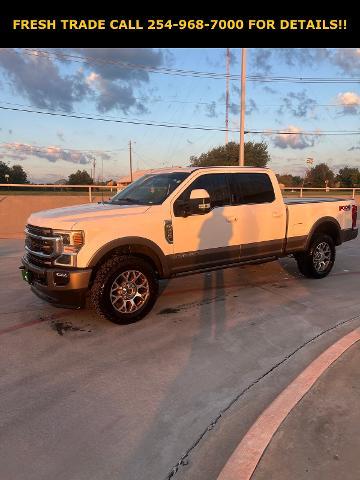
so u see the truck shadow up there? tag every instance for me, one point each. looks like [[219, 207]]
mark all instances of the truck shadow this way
[[204, 352]]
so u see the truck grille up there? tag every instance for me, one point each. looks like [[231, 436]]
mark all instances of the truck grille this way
[[40, 231], [41, 246]]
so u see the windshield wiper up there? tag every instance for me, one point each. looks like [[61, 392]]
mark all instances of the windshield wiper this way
[[127, 200]]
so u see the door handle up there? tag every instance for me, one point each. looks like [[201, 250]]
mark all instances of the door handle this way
[[277, 214], [231, 219]]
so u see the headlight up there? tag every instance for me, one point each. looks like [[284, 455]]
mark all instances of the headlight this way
[[72, 241]]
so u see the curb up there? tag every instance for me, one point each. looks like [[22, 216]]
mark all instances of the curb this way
[[244, 460]]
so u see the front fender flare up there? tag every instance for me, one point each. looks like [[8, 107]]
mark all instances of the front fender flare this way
[[134, 245]]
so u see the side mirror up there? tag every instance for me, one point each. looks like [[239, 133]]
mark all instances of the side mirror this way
[[199, 201]]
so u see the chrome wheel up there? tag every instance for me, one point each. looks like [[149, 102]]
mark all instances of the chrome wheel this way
[[129, 291], [322, 257]]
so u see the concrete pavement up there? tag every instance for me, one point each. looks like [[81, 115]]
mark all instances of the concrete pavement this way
[[82, 398], [320, 437]]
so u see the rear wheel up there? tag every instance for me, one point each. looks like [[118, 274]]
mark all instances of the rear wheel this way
[[124, 290], [319, 260]]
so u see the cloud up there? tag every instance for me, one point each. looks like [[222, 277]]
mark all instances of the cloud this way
[[294, 140], [210, 110], [52, 154], [251, 106], [347, 60], [60, 136], [298, 104], [354, 147], [350, 101], [111, 95], [111, 79], [260, 61], [234, 108], [304, 56], [39, 79], [12, 156], [110, 63], [268, 89], [56, 81]]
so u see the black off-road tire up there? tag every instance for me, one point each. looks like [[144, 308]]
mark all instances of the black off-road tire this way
[[307, 262], [99, 295]]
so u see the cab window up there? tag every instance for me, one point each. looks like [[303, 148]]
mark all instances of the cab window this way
[[250, 188]]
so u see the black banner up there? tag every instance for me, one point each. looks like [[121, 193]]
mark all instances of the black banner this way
[[119, 28]]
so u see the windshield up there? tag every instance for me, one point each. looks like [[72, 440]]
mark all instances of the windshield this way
[[150, 189]]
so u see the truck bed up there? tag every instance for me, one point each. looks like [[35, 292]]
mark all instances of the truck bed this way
[[293, 201]]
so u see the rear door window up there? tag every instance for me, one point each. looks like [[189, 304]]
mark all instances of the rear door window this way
[[250, 188]]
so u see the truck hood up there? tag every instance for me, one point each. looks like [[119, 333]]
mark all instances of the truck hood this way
[[67, 217]]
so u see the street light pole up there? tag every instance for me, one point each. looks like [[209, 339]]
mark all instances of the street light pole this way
[[242, 107]]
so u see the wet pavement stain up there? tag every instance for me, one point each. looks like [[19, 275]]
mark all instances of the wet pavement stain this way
[[165, 311], [63, 327]]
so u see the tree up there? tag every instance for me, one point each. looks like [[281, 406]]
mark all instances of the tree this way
[[80, 178], [4, 170], [290, 180], [318, 175], [256, 154], [348, 177], [18, 175]]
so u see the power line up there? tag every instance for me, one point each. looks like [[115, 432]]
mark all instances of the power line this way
[[191, 73], [336, 105], [114, 120], [189, 127]]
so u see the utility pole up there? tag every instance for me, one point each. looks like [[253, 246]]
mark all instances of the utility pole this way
[[94, 165], [227, 96], [130, 159], [242, 107]]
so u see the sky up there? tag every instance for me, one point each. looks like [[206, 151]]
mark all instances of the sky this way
[[144, 86]]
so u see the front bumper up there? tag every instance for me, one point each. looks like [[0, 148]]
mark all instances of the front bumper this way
[[62, 287]]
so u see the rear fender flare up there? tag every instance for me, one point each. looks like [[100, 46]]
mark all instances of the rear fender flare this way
[[322, 222]]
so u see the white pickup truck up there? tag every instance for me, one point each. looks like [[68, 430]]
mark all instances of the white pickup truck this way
[[174, 222]]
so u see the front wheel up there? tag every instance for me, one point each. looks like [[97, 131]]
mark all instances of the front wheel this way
[[319, 260], [124, 290]]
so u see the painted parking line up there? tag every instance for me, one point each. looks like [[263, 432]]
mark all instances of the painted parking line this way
[[248, 453]]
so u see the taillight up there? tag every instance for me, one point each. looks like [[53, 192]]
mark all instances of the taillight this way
[[354, 216]]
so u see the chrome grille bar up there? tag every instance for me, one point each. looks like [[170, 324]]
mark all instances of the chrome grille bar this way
[[42, 243]]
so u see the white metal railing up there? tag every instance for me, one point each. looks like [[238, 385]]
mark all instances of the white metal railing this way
[[90, 188], [352, 191], [115, 189]]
